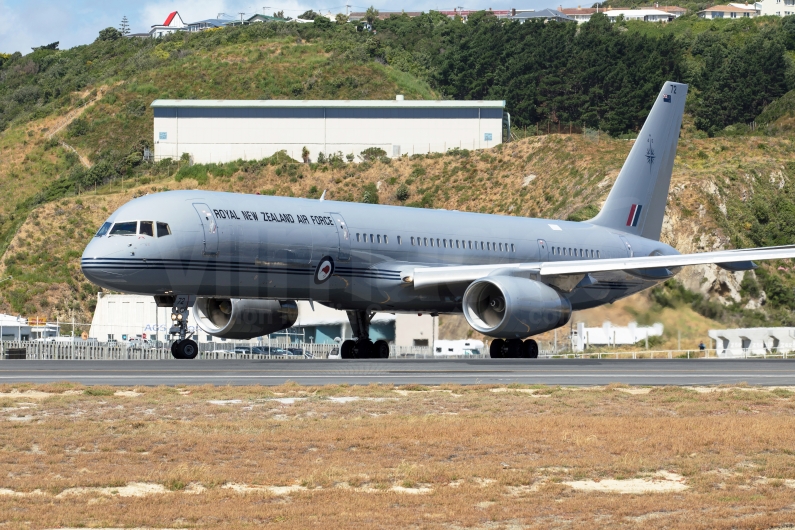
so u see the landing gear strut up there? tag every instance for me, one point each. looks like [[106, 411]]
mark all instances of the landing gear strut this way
[[362, 347], [183, 347], [513, 349]]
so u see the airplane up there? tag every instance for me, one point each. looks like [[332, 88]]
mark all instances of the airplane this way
[[241, 261]]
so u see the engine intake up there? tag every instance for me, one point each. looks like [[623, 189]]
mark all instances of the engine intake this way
[[514, 308], [243, 318]]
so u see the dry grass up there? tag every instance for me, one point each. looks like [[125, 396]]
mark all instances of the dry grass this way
[[443, 457]]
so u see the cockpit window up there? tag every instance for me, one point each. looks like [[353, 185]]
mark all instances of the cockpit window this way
[[124, 229], [145, 229], [163, 230], [103, 230]]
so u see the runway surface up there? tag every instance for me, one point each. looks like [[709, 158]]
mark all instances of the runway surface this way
[[426, 371]]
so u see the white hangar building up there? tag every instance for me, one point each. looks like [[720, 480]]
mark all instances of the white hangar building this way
[[226, 130]]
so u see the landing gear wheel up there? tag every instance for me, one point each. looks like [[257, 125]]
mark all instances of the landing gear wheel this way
[[497, 349], [513, 348], [363, 349], [381, 349], [185, 349], [346, 350], [530, 349], [175, 351]]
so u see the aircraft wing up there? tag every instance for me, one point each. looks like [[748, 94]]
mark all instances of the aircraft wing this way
[[428, 276]]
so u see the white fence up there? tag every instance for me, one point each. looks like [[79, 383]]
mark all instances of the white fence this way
[[85, 350], [80, 350]]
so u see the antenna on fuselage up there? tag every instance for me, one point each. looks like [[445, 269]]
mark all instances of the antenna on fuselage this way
[[323, 196]]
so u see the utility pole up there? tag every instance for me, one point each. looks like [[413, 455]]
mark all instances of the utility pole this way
[[241, 13]]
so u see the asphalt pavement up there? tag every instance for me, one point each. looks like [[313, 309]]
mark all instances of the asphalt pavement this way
[[572, 372]]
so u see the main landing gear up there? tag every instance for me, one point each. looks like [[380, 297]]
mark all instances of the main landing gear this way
[[513, 349], [183, 347], [362, 347]]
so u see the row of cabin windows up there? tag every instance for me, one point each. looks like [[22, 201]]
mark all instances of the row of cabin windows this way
[[438, 242], [462, 244], [374, 238], [575, 252]]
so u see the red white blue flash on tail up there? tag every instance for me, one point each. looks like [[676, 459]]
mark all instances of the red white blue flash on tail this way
[[666, 98], [634, 215]]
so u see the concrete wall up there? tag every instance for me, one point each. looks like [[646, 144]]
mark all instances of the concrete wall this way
[[752, 341], [227, 134]]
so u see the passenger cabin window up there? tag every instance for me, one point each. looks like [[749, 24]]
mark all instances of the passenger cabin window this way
[[103, 229], [163, 230], [146, 228], [124, 229], [386, 240], [412, 241], [513, 248], [379, 238], [400, 240], [358, 239]]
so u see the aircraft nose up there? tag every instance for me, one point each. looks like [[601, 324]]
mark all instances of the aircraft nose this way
[[96, 266]]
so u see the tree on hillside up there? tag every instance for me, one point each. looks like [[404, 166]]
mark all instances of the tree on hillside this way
[[308, 15], [371, 14], [50, 46], [124, 27], [278, 14], [109, 34], [341, 18]]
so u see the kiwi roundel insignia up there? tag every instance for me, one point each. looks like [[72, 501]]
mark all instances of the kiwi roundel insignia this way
[[324, 270]]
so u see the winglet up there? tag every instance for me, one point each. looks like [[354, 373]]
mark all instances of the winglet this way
[[323, 196]]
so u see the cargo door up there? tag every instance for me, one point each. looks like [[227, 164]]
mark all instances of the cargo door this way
[[210, 229]]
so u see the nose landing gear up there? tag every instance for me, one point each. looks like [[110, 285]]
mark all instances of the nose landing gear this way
[[183, 347], [363, 347]]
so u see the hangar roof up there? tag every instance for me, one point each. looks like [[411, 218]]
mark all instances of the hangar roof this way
[[326, 103]]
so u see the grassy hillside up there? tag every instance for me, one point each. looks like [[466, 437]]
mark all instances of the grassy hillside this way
[[556, 176], [74, 156]]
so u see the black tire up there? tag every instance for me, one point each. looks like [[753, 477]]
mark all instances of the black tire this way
[[189, 349], [497, 349], [531, 347], [346, 350], [363, 349], [513, 348], [381, 349], [175, 351]]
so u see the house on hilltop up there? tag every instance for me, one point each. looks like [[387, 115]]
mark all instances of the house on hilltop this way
[[172, 24], [729, 11]]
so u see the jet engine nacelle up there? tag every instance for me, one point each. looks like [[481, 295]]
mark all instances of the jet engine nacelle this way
[[514, 308], [242, 318]]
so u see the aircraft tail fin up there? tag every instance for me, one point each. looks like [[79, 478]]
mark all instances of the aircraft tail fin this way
[[636, 204]]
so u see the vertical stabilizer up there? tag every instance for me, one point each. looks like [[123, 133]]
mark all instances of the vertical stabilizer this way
[[636, 203]]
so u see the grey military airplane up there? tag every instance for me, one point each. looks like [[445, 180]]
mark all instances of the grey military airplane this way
[[241, 261]]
